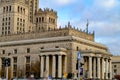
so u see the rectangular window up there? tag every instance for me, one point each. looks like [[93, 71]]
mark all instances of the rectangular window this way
[[42, 19], [3, 60], [8, 32], [15, 59], [3, 9], [3, 19], [115, 66], [2, 33], [15, 67], [9, 18], [27, 67], [2, 24], [28, 59], [9, 8], [2, 28], [14, 74], [8, 23], [3, 51], [15, 51], [28, 50], [18, 8], [6, 8], [115, 71]]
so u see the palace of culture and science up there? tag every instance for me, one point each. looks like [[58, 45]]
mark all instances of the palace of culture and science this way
[[29, 35]]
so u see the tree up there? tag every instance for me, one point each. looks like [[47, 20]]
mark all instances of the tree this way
[[35, 69]]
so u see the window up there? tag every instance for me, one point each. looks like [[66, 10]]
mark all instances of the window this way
[[27, 67], [15, 51], [8, 23], [3, 51], [115, 71], [42, 47], [15, 67], [18, 8], [15, 59], [28, 59], [3, 59], [28, 50], [37, 20], [7, 8], [56, 46], [2, 24], [77, 48], [10, 8], [8, 32], [14, 74], [42, 19], [24, 11], [3, 9], [3, 19], [115, 66], [2, 28], [9, 18]]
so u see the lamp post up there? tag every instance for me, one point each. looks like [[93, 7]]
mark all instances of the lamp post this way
[[79, 56]]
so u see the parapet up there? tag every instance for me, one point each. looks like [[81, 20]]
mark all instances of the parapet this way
[[47, 11], [11, 1]]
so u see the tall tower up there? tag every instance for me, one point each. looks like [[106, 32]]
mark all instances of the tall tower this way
[[13, 17], [33, 8]]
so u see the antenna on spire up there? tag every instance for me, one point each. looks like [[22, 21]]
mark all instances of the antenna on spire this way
[[87, 26]]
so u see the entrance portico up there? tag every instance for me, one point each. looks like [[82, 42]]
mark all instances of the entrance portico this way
[[96, 65], [58, 66]]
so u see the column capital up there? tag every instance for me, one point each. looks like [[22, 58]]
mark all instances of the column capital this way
[[98, 57], [90, 56]]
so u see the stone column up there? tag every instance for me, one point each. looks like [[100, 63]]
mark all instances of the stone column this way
[[53, 66], [98, 67], [106, 70], [110, 69], [94, 68], [0, 64], [65, 64], [103, 68], [90, 67], [47, 66], [11, 66], [42, 66], [59, 66]]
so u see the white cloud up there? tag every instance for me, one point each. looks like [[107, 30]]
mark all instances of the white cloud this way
[[64, 2], [107, 3], [105, 28]]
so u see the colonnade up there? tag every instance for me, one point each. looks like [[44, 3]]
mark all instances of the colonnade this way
[[99, 67], [58, 65]]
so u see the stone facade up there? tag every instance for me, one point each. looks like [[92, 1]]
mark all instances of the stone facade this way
[[54, 48], [116, 65]]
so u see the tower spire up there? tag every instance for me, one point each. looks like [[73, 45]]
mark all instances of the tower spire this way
[[87, 26]]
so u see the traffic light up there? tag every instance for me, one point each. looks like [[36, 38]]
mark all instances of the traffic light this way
[[7, 62], [81, 64]]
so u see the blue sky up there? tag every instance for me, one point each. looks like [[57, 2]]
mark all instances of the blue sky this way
[[103, 16]]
